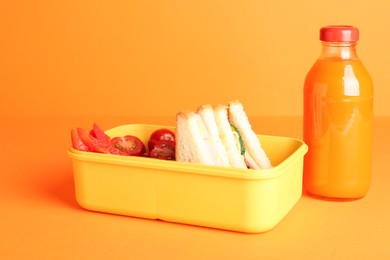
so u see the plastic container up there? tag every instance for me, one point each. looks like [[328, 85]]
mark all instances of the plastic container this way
[[338, 115], [250, 201]]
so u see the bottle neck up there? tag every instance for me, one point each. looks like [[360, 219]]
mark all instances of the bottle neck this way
[[339, 51]]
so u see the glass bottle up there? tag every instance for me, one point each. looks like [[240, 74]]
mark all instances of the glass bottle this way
[[338, 117]]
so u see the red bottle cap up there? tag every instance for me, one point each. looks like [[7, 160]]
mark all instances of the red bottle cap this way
[[339, 33]]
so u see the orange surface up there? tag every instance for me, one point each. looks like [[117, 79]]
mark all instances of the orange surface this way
[[40, 219]]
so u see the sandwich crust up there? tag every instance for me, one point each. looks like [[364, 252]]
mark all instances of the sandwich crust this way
[[207, 114], [226, 135], [239, 119], [193, 143]]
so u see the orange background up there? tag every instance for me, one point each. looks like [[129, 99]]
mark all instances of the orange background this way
[[125, 58], [65, 64]]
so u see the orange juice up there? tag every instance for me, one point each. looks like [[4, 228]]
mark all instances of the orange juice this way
[[338, 114]]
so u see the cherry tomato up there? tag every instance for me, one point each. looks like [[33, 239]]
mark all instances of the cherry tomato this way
[[164, 150], [160, 134], [129, 144]]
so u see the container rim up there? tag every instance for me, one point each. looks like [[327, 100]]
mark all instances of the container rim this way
[[190, 168]]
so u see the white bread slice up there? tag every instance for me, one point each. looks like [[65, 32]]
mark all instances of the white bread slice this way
[[225, 133], [239, 119], [193, 143], [207, 114]]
